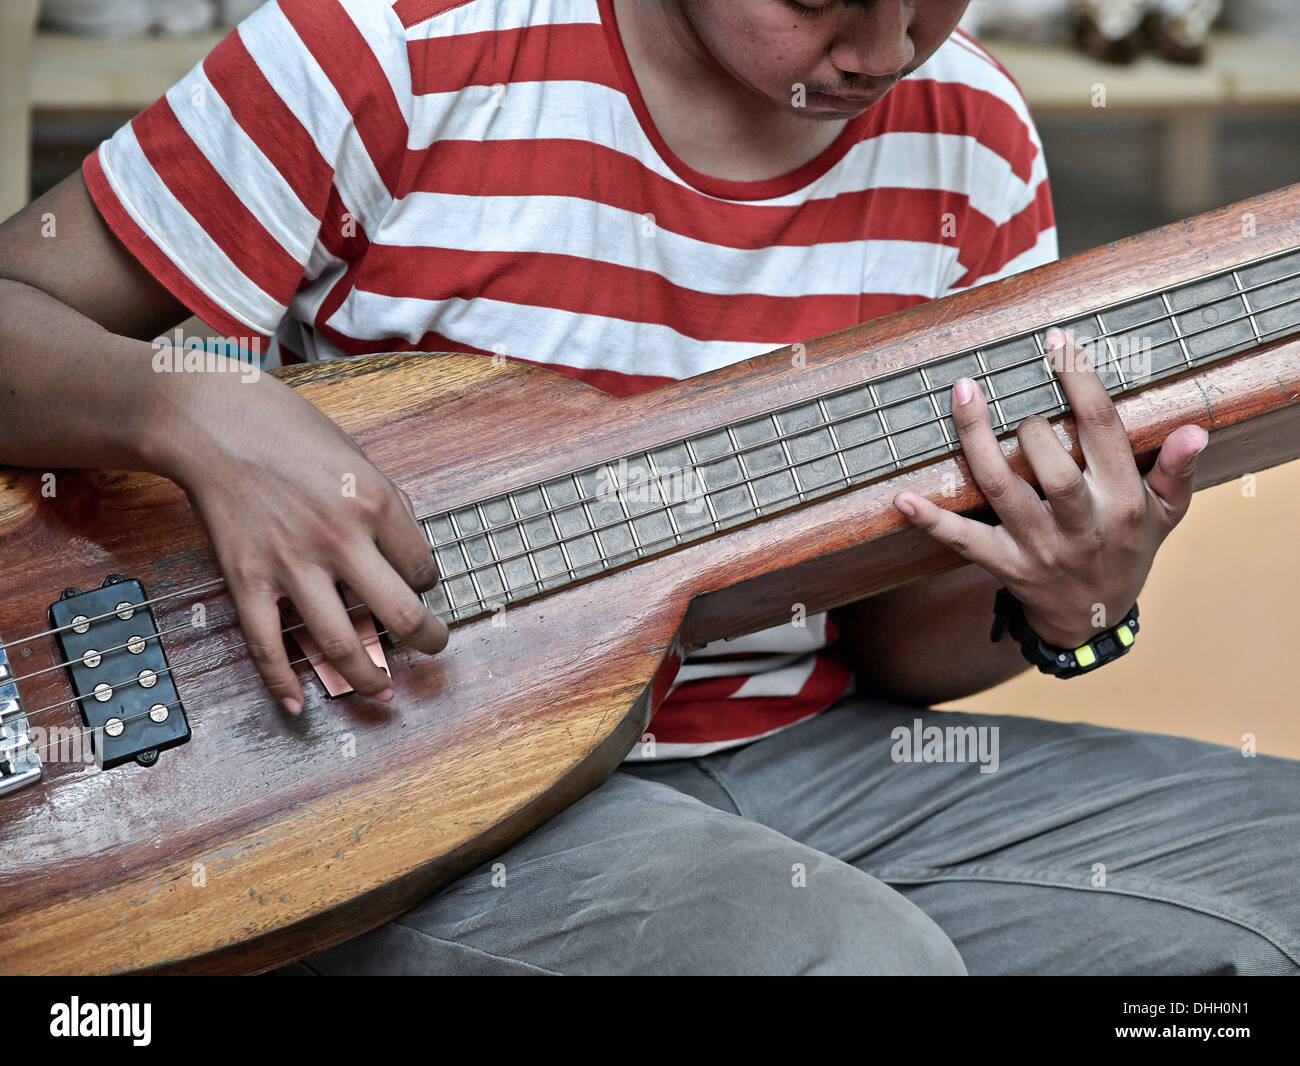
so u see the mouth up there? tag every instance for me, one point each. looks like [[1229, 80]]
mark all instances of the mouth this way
[[847, 103]]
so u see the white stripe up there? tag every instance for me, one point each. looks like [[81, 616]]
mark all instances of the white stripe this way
[[565, 225], [206, 118], [298, 80], [1043, 251], [702, 671], [786, 681], [171, 227], [782, 638], [585, 111], [384, 33], [541, 334], [484, 16]]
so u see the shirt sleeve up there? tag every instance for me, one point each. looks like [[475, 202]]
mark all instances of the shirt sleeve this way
[[267, 165]]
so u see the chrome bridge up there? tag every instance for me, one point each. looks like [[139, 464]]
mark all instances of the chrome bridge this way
[[20, 763]]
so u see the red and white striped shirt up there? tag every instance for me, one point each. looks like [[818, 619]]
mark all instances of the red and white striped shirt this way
[[357, 176]]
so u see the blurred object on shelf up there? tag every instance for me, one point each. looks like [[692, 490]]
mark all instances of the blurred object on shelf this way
[[1113, 31], [1280, 18], [1029, 21], [1118, 31], [129, 18], [235, 11]]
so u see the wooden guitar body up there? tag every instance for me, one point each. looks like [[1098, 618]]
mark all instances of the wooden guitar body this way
[[264, 838]]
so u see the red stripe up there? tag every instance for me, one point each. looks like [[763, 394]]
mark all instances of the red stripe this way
[[709, 721], [356, 73], [202, 192], [546, 52], [1015, 238], [153, 259], [519, 168], [590, 287], [922, 105], [413, 12], [286, 143], [268, 122]]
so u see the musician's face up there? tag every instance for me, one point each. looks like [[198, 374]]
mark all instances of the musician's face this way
[[854, 50]]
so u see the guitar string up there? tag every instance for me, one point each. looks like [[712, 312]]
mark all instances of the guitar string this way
[[516, 527], [176, 670], [1169, 318], [230, 619], [1179, 339], [195, 698]]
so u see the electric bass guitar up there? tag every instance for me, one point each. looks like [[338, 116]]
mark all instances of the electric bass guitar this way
[[159, 811]]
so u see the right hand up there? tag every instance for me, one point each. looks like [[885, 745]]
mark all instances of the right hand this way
[[293, 506]]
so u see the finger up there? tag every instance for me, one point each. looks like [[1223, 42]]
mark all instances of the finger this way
[[330, 626], [1107, 455], [1173, 477], [1058, 475], [989, 546], [404, 545], [259, 617], [1010, 496], [402, 612]]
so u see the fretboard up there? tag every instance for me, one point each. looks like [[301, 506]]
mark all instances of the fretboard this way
[[544, 537]]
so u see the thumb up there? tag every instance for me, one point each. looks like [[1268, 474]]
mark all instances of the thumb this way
[[1172, 478]]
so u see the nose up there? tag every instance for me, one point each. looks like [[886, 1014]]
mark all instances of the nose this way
[[876, 42]]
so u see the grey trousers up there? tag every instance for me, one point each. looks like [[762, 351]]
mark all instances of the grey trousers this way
[[863, 842]]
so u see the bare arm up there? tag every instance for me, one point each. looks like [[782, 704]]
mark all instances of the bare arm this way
[[928, 642], [78, 389]]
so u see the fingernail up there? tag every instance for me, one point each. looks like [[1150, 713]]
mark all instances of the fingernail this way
[[385, 696], [965, 390], [905, 507], [1055, 338], [292, 705], [1203, 444]]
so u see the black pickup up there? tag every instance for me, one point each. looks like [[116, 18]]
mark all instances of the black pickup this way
[[119, 672]]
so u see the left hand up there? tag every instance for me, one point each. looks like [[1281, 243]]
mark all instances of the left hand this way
[[1078, 559]]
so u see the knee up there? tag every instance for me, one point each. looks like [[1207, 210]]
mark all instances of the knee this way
[[759, 903]]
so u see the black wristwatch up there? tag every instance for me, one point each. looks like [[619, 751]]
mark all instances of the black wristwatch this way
[[1106, 646]]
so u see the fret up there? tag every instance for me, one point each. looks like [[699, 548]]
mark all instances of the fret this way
[[559, 538], [744, 470], [695, 465], [1113, 358], [1245, 303], [479, 598], [668, 504], [1041, 345], [620, 494], [836, 447], [884, 421], [931, 392], [1002, 424], [1178, 332], [789, 459], [527, 549]]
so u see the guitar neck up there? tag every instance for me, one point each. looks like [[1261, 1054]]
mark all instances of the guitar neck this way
[[1229, 302]]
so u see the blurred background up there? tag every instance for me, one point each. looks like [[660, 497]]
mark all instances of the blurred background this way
[[1149, 110]]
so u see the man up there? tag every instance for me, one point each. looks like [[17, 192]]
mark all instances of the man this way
[[634, 191]]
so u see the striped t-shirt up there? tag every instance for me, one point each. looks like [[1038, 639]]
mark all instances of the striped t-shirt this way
[[483, 176]]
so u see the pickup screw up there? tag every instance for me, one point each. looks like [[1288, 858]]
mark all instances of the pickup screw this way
[[112, 579], [68, 593]]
